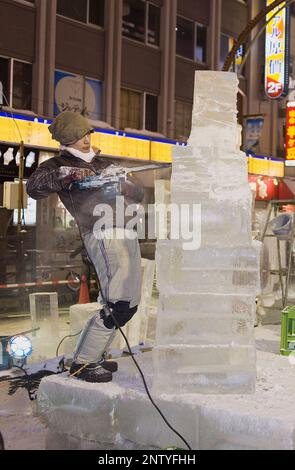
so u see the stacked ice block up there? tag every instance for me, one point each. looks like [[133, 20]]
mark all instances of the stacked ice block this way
[[204, 337]]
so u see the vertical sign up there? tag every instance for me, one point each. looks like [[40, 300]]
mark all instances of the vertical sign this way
[[277, 52], [290, 131], [252, 133]]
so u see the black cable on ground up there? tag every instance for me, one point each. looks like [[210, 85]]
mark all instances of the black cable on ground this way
[[28, 382], [129, 348]]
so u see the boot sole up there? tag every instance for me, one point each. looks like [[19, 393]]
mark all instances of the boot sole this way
[[104, 380]]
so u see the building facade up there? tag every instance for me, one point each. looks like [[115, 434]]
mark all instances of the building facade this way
[[129, 63]]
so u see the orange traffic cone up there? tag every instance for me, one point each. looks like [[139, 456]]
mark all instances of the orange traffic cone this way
[[84, 293]]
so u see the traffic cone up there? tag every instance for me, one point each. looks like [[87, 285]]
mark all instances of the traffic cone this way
[[84, 293]]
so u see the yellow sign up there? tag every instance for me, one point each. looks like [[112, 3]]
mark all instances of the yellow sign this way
[[36, 134], [266, 167]]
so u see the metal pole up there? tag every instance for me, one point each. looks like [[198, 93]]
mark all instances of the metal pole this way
[[20, 187], [289, 262], [245, 33]]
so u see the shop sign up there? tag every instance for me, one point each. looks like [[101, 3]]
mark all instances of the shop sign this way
[[277, 52], [252, 132], [265, 188], [77, 94], [290, 130], [266, 166]]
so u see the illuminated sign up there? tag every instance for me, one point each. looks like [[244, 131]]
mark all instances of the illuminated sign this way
[[277, 52], [34, 132], [290, 130], [266, 166]]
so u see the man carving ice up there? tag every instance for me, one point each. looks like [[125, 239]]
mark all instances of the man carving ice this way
[[115, 254]]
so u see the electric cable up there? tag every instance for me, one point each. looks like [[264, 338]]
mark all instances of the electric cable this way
[[128, 345], [29, 383], [62, 340]]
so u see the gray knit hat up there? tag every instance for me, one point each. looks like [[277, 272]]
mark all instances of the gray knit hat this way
[[68, 127]]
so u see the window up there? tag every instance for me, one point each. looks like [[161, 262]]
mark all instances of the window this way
[[226, 44], [96, 12], [151, 113], [15, 84], [4, 81], [22, 85], [201, 40], [141, 21], [191, 40], [183, 120], [86, 11], [138, 110], [154, 16], [130, 110], [184, 38], [78, 94]]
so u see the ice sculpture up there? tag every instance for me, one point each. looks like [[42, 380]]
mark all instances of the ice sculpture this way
[[205, 326]]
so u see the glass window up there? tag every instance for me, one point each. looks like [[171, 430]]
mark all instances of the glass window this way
[[201, 40], [75, 9], [151, 113], [134, 19], [96, 12], [22, 85], [185, 38], [226, 43], [4, 81], [130, 109], [154, 17], [183, 120]]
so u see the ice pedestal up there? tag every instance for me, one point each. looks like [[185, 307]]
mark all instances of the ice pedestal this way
[[204, 336], [119, 415]]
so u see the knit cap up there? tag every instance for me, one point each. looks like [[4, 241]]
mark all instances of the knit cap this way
[[69, 127]]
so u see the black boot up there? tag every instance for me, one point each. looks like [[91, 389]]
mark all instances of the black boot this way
[[111, 366], [91, 373]]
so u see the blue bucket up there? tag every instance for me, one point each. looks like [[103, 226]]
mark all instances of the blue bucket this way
[[6, 361], [281, 226]]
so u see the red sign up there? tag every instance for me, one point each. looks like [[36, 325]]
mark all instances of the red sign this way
[[290, 131], [266, 188]]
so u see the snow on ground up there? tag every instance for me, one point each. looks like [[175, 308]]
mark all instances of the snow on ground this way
[[23, 429]]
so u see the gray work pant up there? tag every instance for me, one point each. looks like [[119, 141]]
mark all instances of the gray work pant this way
[[117, 262]]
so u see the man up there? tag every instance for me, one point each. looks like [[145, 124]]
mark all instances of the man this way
[[116, 258]]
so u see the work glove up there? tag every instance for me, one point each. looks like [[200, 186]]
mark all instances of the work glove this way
[[132, 190], [68, 175]]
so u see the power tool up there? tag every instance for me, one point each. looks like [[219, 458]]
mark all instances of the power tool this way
[[114, 174]]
